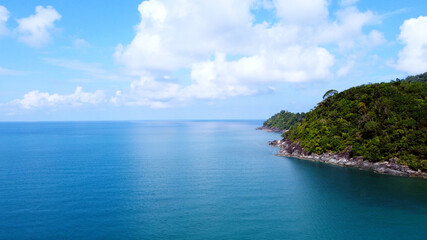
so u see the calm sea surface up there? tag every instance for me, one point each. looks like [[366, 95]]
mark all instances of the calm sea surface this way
[[189, 180]]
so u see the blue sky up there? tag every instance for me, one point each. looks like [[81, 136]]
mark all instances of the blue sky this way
[[222, 59]]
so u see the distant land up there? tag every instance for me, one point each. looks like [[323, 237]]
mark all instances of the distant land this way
[[380, 126]]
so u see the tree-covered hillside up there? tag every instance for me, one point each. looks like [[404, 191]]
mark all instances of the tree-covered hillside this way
[[379, 121], [283, 120], [418, 78]]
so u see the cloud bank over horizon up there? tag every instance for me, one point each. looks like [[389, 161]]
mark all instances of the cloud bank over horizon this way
[[36, 99]]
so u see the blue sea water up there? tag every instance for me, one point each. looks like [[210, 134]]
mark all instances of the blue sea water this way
[[189, 180]]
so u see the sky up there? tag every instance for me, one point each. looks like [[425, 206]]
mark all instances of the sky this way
[[191, 59]]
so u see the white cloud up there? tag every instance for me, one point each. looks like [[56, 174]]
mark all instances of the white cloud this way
[[288, 66], [302, 11], [174, 34], [4, 16], [35, 30], [413, 57], [346, 30], [228, 54], [80, 43], [219, 78], [264, 4], [36, 99], [156, 94], [148, 92], [376, 38]]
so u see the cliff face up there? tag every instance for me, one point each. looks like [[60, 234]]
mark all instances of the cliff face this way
[[289, 149]]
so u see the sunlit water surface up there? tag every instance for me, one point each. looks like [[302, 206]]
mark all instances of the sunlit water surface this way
[[189, 180]]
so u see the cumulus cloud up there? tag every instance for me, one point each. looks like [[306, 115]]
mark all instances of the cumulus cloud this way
[[174, 34], [36, 29], [347, 30], [148, 92], [413, 57], [228, 54], [156, 94], [36, 99], [220, 79], [289, 66], [302, 11], [4, 16]]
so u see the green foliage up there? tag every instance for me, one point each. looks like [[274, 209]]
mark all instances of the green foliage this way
[[379, 121], [418, 78], [283, 120], [330, 93]]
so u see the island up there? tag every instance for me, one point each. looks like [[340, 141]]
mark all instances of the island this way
[[281, 122], [380, 127]]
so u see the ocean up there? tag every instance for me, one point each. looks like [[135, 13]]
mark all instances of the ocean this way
[[189, 180]]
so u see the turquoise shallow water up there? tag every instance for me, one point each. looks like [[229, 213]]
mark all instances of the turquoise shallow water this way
[[189, 180]]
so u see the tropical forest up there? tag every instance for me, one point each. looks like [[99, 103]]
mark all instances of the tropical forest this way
[[377, 121]]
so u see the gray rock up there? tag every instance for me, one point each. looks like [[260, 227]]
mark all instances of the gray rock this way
[[391, 167]]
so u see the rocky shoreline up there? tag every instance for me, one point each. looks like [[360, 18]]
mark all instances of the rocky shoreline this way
[[289, 149], [268, 129]]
